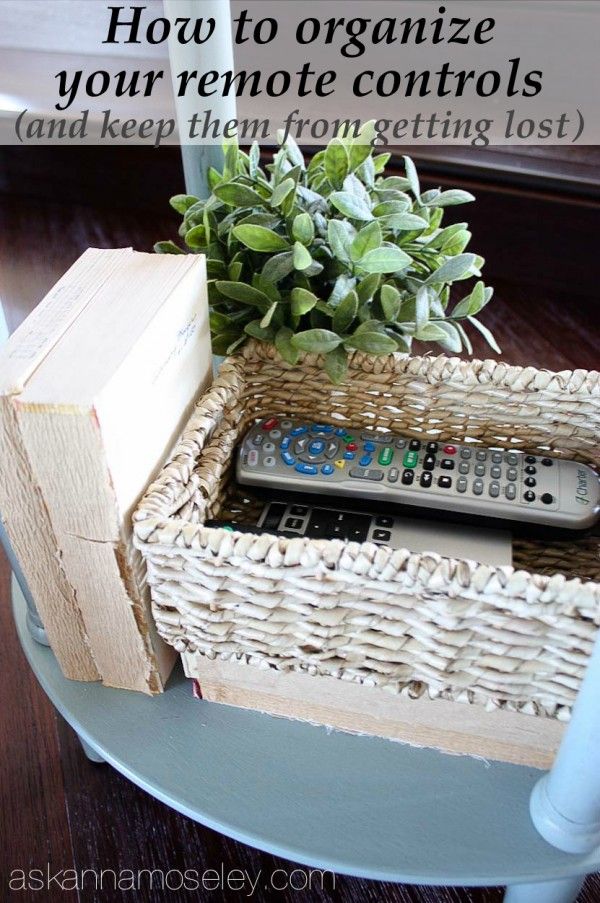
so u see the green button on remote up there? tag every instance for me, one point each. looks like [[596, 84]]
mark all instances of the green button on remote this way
[[410, 459], [385, 456]]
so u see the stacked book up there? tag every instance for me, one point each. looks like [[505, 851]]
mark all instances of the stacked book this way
[[95, 387]]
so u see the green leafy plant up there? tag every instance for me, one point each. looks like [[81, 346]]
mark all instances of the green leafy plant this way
[[332, 255]]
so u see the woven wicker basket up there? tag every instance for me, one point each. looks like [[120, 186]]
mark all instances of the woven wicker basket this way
[[418, 625]]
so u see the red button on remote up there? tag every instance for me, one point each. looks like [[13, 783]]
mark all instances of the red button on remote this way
[[270, 424], [449, 449], [352, 446]]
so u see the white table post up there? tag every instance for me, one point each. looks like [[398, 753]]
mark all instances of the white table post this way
[[565, 803], [217, 53]]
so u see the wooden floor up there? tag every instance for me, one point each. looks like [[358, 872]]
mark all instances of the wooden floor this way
[[58, 808]]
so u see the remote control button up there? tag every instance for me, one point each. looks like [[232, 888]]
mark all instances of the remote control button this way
[[340, 431], [369, 446], [512, 458], [511, 474], [496, 457], [530, 469], [300, 445], [428, 462], [365, 461], [293, 523], [447, 464], [258, 439], [286, 424], [252, 458], [465, 453], [299, 431], [359, 473], [287, 458], [385, 456], [340, 463], [269, 461], [432, 448], [299, 510], [335, 531], [268, 447], [321, 428], [547, 498], [530, 481], [529, 496], [275, 434], [449, 449], [349, 456], [331, 450], [480, 470], [410, 459], [414, 445], [352, 446], [481, 455], [271, 423], [529, 459], [477, 487], [547, 462], [400, 443], [316, 447], [407, 477], [327, 469], [494, 490], [464, 467], [308, 469], [445, 482], [348, 438], [285, 443], [495, 472], [382, 535], [462, 484], [426, 479], [384, 521], [393, 475], [511, 492]]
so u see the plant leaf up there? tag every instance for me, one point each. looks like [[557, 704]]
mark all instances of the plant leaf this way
[[195, 238], [367, 287], [385, 260], [345, 313], [284, 345], [167, 247], [451, 198], [336, 162], [278, 266], [340, 234], [391, 301], [282, 191], [239, 291], [452, 342], [302, 301], [367, 239], [258, 238], [302, 258], [319, 341], [351, 206], [371, 343], [336, 365], [452, 269], [413, 178], [422, 307], [303, 229], [485, 332], [266, 320], [182, 202], [236, 195]]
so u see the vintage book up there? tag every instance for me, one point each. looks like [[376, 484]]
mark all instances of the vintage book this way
[[94, 416]]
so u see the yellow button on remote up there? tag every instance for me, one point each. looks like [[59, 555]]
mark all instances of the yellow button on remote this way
[[340, 463]]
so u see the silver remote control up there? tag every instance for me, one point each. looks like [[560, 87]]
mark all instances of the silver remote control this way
[[466, 480]]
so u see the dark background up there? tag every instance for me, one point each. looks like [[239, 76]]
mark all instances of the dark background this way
[[535, 221]]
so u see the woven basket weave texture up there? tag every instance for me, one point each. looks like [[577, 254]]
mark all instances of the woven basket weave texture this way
[[517, 638]]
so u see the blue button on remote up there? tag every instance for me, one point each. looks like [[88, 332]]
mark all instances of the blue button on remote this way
[[298, 430], [316, 447], [365, 460], [327, 469], [287, 458], [340, 431], [349, 456], [369, 446], [309, 469], [321, 428], [285, 443]]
